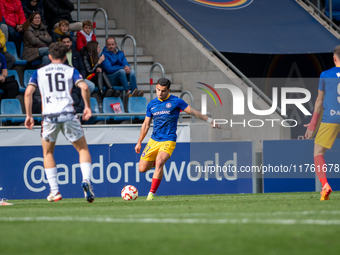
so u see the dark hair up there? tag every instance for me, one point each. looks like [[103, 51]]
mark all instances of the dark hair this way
[[64, 37], [87, 23], [164, 82], [337, 51], [57, 50], [92, 49], [29, 20]]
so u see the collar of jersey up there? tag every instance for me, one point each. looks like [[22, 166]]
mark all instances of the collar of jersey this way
[[164, 98], [337, 66]]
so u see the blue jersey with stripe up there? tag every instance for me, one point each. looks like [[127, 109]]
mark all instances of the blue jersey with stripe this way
[[165, 114], [330, 84]]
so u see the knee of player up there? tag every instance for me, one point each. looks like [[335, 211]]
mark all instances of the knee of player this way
[[142, 169], [159, 164]]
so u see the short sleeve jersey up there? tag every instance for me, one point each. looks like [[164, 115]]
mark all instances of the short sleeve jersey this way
[[3, 64], [55, 83], [330, 83], [165, 114]]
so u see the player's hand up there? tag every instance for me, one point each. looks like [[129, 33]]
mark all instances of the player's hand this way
[[309, 132], [29, 122], [137, 148], [87, 113], [214, 125]]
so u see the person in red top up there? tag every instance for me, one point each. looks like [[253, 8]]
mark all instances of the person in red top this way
[[14, 16], [85, 35]]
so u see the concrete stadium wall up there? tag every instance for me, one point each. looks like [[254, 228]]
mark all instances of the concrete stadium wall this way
[[189, 62]]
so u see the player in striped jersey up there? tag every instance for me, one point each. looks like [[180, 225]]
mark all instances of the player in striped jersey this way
[[55, 82]]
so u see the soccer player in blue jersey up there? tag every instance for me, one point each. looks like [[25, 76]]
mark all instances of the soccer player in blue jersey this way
[[165, 111], [328, 100], [55, 82]]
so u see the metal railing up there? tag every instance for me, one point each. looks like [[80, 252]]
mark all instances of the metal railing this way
[[78, 10], [318, 10], [105, 115], [200, 38], [134, 50], [192, 104], [151, 76], [105, 19]]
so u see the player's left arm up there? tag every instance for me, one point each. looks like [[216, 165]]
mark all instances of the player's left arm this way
[[316, 114], [29, 122], [85, 93], [197, 114]]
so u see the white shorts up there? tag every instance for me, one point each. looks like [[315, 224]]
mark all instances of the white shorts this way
[[71, 129]]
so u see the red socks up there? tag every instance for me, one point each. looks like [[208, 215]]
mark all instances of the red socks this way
[[319, 161], [154, 185]]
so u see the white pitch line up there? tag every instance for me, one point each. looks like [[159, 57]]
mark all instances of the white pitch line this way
[[278, 213], [173, 221]]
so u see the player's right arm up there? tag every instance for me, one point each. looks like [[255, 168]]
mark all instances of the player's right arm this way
[[316, 114], [29, 122], [85, 93], [143, 132]]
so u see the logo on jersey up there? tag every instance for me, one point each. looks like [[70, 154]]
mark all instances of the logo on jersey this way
[[161, 112], [224, 4], [168, 105], [333, 112]]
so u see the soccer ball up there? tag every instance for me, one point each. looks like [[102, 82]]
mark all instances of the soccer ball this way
[[129, 192]]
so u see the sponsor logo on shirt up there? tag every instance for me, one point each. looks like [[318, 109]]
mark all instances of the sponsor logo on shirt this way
[[161, 112], [333, 112]]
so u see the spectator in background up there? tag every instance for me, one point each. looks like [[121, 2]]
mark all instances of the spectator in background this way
[[118, 69], [63, 29], [33, 6], [8, 84], [73, 59], [36, 40], [14, 16], [10, 59], [57, 10], [92, 62], [85, 35]]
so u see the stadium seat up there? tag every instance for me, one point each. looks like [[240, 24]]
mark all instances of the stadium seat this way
[[27, 76], [33, 63], [12, 106], [94, 109], [13, 51], [335, 9], [16, 76], [137, 105], [107, 101]]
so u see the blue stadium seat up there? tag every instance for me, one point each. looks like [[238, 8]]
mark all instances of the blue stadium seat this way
[[16, 76], [335, 9], [12, 106], [94, 109], [13, 51], [27, 76], [33, 63], [137, 105], [107, 101]]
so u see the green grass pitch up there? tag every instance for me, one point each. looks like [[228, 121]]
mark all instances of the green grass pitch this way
[[284, 223]]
